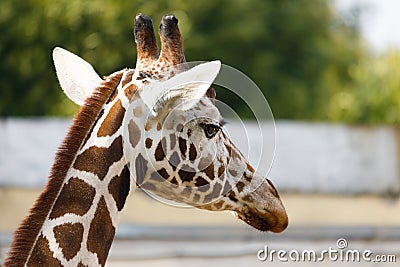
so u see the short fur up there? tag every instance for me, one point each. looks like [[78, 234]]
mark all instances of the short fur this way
[[25, 236]]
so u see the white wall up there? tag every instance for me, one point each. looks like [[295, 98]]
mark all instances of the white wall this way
[[310, 157], [27, 149]]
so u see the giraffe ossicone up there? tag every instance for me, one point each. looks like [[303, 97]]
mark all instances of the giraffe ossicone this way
[[156, 124]]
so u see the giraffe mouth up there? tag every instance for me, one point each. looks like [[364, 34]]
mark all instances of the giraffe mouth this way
[[267, 221]]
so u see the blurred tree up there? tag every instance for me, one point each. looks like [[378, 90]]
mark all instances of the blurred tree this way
[[373, 96], [298, 52]]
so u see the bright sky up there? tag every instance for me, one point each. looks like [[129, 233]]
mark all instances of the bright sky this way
[[380, 21]]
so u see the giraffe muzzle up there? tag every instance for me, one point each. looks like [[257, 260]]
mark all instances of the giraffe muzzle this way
[[267, 221], [265, 211]]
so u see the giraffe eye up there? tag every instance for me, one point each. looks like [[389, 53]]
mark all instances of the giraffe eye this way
[[210, 130]]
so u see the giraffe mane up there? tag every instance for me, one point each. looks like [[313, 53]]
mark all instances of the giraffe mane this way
[[26, 234]]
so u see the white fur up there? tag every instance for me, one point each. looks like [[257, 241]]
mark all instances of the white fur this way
[[77, 77], [182, 90]]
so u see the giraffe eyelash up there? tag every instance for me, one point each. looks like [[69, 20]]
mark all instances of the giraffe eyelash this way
[[210, 129]]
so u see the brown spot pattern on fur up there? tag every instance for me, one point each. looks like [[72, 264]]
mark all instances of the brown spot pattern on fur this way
[[69, 237], [101, 232], [250, 168], [232, 172], [148, 142], [247, 177], [204, 163], [174, 181], [147, 126], [172, 139], [75, 197], [41, 255], [227, 187], [182, 146], [248, 198], [221, 170], [138, 112], [155, 177], [186, 173], [134, 133], [159, 126], [131, 92], [235, 154], [210, 171], [196, 198], [179, 127], [211, 94], [163, 173], [240, 186], [228, 148], [119, 187], [26, 234], [200, 182], [113, 121], [98, 160], [141, 168], [192, 152], [216, 191], [174, 160], [159, 153], [231, 196], [127, 77], [218, 205], [169, 124]]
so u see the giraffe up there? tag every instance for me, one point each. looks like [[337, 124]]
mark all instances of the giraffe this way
[[157, 125]]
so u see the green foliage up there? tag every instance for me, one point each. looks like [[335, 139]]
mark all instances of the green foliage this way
[[298, 52], [373, 96]]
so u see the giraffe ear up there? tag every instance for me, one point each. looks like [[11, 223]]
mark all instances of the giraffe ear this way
[[77, 77], [182, 91]]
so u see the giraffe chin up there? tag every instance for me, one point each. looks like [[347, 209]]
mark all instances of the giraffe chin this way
[[265, 222]]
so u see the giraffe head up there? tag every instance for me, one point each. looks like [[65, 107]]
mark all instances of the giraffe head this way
[[174, 141]]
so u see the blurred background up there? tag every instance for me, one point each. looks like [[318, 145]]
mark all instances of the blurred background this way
[[330, 71]]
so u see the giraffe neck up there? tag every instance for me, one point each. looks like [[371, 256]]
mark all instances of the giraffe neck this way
[[74, 220]]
